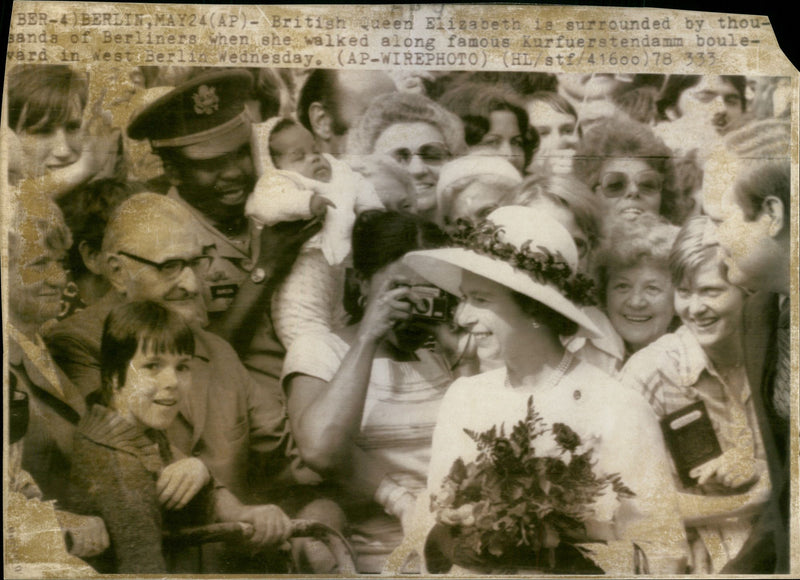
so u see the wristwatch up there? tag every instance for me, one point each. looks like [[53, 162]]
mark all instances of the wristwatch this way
[[257, 275]]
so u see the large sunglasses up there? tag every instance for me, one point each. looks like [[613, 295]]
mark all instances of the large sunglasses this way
[[616, 183], [173, 268], [430, 153]]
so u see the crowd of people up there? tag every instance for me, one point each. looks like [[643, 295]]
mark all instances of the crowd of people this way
[[258, 295]]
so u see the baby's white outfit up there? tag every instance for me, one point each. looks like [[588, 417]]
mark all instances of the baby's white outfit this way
[[311, 299]]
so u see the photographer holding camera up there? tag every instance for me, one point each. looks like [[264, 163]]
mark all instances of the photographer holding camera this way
[[363, 401]]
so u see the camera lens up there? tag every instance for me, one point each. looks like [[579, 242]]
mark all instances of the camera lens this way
[[426, 305]]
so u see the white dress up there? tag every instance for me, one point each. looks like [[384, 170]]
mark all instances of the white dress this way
[[616, 422]]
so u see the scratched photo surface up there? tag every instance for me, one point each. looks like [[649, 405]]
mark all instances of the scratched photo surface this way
[[467, 290]]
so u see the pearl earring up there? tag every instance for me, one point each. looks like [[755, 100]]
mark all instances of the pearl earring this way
[[536, 324]]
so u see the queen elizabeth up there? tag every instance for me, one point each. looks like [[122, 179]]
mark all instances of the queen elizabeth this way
[[515, 275]]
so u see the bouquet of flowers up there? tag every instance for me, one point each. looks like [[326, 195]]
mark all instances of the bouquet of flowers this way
[[525, 500]]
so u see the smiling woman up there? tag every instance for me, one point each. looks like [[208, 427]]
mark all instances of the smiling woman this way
[[520, 296], [362, 401], [46, 112], [36, 277], [495, 122], [417, 133], [46, 105], [629, 169], [634, 281], [702, 362]]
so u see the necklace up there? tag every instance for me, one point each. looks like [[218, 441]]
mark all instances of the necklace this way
[[555, 377]]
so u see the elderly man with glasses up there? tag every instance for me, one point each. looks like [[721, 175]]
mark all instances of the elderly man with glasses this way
[[201, 130], [228, 426]]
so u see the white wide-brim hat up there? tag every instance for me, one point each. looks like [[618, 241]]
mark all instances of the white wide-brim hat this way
[[522, 228]]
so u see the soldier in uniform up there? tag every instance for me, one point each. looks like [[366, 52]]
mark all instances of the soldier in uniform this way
[[201, 130]]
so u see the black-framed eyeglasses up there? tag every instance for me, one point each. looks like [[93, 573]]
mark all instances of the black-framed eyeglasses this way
[[615, 183], [172, 268], [430, 153]]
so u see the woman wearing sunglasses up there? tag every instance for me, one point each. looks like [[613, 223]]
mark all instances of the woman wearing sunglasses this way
[[417, 133], [630, 170]]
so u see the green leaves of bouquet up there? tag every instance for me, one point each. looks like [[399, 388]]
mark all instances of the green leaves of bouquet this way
[[517, 504]]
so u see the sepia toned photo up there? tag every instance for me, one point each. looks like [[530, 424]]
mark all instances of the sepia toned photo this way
[[404, 290]]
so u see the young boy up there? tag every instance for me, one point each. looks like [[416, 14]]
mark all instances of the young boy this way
[[120, 447]]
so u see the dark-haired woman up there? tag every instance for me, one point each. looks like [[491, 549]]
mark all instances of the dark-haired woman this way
[[46, 105], [555, 121], [495, 122], [363, 401]]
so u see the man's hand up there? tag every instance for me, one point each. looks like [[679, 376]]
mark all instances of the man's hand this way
[[271, 526], [280, 244], [731, 470], [86, 536], [180, 481], [101, 141]]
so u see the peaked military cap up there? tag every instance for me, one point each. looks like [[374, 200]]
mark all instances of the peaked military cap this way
[[206, 108]]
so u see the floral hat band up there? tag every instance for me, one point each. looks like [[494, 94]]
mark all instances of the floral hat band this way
[[539, 262], [521, 248]]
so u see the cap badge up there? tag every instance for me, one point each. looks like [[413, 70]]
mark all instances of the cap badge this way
[[206, 101]]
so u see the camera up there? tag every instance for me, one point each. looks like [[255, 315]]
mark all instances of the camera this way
[[435, 305]]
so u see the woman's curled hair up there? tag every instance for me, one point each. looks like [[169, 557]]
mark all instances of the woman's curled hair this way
[[396, 108], [627, 243]]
